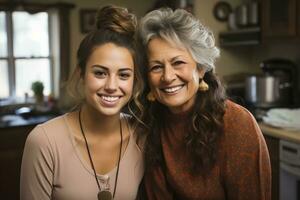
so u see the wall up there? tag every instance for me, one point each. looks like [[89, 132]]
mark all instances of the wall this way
[[284, 48]]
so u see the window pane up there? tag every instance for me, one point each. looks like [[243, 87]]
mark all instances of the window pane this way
[[4, 85], [30, 34], [3, 36], [30, 70]]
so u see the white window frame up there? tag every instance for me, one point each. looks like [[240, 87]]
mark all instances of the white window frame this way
[[11, 58]]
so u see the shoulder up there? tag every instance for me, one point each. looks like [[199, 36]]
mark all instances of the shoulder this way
[[55, 126], [240, 126], [44, 134], [234, 111], [55, 123], [238, 117]]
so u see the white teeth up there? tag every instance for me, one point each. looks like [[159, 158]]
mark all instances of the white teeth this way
[[173, 89], [109, 98]]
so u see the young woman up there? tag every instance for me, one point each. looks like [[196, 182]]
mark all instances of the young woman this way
[[199, 145], [92, 153]]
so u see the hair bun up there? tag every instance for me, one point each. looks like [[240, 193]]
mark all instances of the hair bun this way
[[116, 19]]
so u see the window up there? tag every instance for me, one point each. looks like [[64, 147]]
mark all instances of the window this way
[[24, 53], [4, 89]]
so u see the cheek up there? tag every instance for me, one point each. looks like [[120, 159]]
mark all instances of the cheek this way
[[127, 86], [189, 75], [92, 84]]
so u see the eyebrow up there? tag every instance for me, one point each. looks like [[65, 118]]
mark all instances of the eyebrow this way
[[175, 58], [107, 68], [171, 60], [154, 61]]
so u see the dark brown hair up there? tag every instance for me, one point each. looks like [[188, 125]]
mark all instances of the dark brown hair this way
[[114, 25]]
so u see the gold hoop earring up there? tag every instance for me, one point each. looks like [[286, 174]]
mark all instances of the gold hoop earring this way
[[203, 86], [150, 96]]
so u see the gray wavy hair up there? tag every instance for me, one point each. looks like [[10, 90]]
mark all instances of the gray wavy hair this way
[[183, 29]]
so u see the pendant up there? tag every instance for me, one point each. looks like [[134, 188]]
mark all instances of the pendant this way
[[104, 195]]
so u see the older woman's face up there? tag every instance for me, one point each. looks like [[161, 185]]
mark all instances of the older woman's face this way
[[173, 75]]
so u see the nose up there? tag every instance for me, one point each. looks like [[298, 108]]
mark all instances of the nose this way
[[169, 74], [111, 84]]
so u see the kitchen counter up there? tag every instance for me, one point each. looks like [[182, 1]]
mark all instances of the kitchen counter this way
[[27, 116], [280, 133], [16, 121]]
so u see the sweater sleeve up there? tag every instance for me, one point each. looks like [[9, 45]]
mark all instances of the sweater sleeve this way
[[247, 169], [37, 167]]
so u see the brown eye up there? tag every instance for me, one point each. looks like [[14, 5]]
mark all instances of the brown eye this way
[[125, 76], [179, 62], [156, 68], [100, 74]]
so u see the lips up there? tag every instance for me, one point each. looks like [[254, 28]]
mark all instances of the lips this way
[[108, 100], [172, 90]]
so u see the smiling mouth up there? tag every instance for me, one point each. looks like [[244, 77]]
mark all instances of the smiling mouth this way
[[108, 98], [172, 90]]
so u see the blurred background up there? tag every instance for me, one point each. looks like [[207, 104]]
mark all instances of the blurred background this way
[[259, 65]]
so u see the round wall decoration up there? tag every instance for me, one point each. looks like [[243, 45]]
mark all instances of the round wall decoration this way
[[221, 10]]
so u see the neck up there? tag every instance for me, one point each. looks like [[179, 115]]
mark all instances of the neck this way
[[98, 124], [186, 107]]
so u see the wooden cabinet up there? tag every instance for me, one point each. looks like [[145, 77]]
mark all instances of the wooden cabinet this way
[[280, 18], [273, 147], [298, 17], [12, 142]]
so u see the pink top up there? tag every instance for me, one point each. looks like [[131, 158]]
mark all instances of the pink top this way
[[53, 168]]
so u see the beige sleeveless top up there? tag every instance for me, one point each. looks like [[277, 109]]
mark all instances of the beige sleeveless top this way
[[53, 168]]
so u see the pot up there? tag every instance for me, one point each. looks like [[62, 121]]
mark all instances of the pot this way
[[266, 91]]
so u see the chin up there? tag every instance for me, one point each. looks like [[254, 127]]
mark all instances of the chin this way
[[110, 113], [172, 102]]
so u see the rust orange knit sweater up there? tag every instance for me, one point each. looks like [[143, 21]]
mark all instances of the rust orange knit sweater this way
[[242, 170]]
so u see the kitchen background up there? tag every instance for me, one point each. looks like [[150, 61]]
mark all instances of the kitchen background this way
[[250, 34]]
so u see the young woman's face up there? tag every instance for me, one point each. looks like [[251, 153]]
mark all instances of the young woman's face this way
[[108, 79], [173, 75]]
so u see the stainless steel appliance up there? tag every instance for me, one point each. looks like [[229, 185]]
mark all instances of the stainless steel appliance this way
[[276, 87], [289, 171], [264, 90]]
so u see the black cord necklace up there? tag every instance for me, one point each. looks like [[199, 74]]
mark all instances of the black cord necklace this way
[[102, 194]]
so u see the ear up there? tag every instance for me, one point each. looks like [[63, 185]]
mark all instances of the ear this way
[[201, 71]]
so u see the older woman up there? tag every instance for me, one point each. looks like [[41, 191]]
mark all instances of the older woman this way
[[199, 145]]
